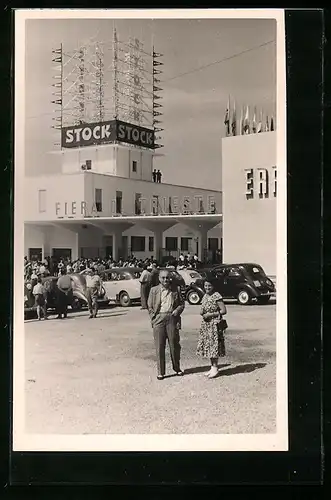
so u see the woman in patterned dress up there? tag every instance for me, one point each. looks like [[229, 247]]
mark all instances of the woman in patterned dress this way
[[211, 339]]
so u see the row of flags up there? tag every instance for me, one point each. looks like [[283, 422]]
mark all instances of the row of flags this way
[[246, 123]]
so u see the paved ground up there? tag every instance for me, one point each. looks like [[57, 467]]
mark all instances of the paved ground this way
[[98, 376]]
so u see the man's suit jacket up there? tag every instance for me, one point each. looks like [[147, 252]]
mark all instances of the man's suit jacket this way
[[154, 302]]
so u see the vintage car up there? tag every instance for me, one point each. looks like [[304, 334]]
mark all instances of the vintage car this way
[[77, 299], [189, 275], [245, 282], [122, 285]]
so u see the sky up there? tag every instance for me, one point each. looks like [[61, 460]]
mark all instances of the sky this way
[[205, 61]]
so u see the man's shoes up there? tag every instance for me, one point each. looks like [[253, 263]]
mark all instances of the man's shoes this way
[[59, 316], [90, 316], [180, 373], [160, 377]]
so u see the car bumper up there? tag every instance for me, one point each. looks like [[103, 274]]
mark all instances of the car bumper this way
[[266, 294]]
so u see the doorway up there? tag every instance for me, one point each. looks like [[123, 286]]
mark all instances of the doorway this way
[[61, 253]]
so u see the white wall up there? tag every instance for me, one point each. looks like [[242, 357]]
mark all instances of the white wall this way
[[59, 188], [49, 237], [129, 187], [249, 225]]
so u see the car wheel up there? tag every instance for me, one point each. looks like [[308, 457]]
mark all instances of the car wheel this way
[[193, 298], [263, 300], [244, 298], [124, 299]]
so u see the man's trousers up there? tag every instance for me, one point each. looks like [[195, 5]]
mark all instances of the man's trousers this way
[[165, 326]]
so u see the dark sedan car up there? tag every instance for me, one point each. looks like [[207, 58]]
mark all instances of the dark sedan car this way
[[78, 298], [245, 282]]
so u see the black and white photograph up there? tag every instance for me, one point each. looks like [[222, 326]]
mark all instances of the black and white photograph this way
[[150, 301]]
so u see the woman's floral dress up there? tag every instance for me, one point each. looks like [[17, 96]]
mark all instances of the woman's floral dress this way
[[211, 338]]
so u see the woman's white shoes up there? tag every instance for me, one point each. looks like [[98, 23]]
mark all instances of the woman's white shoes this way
[[213, 372]]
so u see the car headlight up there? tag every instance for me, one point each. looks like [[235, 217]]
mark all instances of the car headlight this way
[[257, 283]]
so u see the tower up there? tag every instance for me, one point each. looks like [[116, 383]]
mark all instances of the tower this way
[[108, 110]]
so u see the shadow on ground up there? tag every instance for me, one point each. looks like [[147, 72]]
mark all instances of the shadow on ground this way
[[247, 368], [201, 369]]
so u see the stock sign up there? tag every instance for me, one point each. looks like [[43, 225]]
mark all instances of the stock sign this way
[[89, 134]]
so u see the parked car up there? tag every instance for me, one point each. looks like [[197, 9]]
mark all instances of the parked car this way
[[246, 282], [189, 275], [78, 298], [122, 285]]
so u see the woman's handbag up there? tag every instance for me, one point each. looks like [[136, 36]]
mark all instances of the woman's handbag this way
[[223, 324]]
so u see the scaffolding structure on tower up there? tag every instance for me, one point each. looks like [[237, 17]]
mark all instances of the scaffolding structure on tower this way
[[104, 81]]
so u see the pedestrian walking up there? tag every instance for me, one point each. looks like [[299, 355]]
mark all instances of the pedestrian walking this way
[[93, 291], [211, 338], [165, 306], [39, 293], [64, 292], [145, 286]]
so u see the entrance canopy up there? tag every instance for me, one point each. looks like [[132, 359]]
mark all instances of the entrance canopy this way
[[116, 225]]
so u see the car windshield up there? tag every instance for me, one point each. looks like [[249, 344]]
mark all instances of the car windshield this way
[[129, 275], [254, 271]]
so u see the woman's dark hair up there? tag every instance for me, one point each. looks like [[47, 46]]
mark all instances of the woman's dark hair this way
[[211, 280]]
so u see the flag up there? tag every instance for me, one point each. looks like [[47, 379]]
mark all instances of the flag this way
[[246, 122], [254, 122], [259, 127], [272, 127], [267, 125], [241, 130], [234, 121], [227, 119]]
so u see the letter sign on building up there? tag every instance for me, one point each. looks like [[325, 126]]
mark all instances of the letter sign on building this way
[[258, 182], [91, 134], [249, 183]]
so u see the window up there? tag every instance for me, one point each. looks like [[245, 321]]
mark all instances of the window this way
[[98, 199], [118, 202], [42, 200], [137, 243], [134, 166], [171, 243], [88, 164], [151, 244], [155, 204], [35, 254], [137, 204], [185, 244], [233, 272]]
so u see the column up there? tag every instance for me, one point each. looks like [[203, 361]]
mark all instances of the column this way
[[75, 249], [158, 243], [203, 243], [46, 248], [117, 244]]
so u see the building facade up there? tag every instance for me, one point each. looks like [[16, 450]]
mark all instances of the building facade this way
[[104, 202], [249, 194]]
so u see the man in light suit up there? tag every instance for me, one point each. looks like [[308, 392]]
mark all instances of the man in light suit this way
[[165, 305]]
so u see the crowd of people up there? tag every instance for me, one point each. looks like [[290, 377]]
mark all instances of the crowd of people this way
[[51, 267]]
